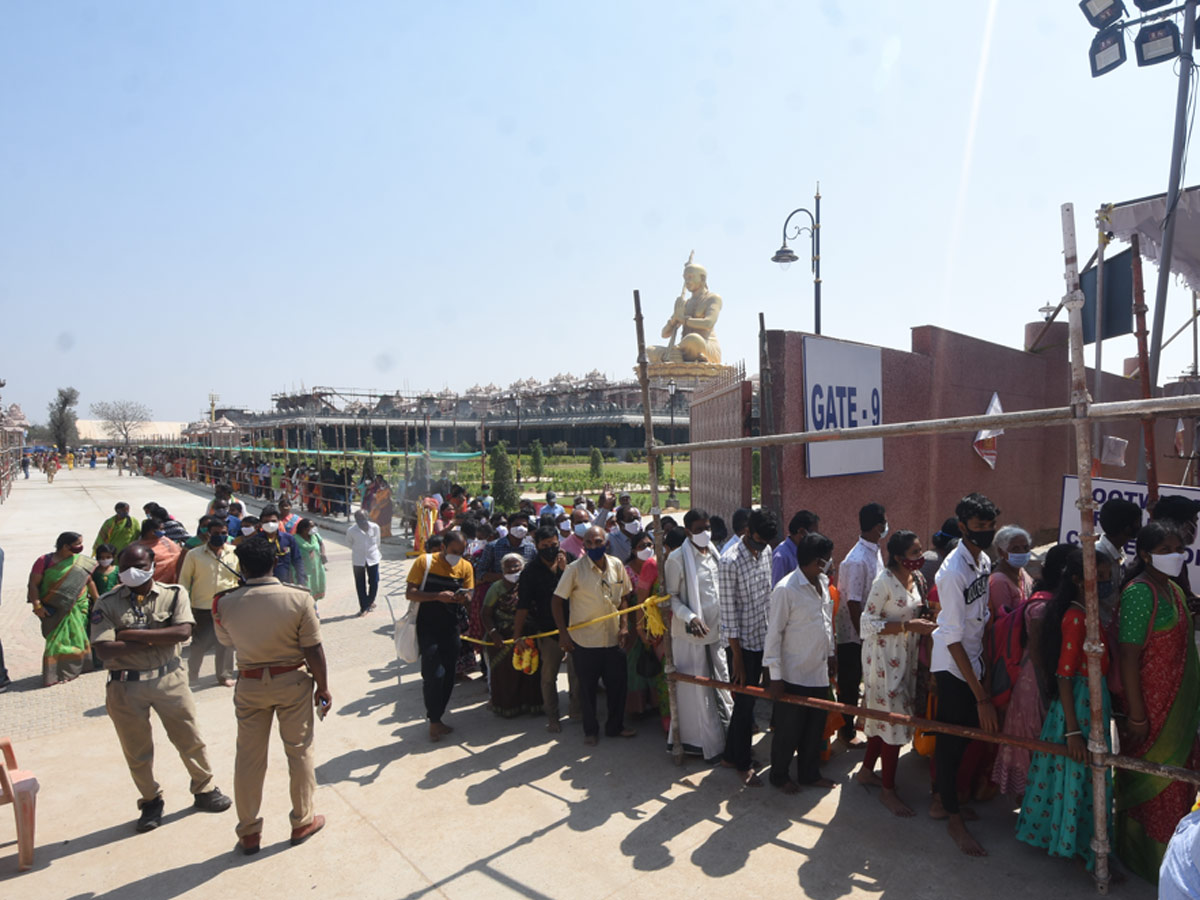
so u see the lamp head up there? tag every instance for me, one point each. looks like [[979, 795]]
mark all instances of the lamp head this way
[[784, 255]]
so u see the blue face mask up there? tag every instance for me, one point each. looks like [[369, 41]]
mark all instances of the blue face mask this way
[[1018, 560], [1104, 590], [595, 554]]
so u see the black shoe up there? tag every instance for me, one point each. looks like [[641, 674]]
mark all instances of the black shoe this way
[[212, 801], [151, 816]]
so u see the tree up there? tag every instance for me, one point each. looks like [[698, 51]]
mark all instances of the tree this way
[[610, 441], [121, 419], [537, 460], [597, 463], [62, 420], [504, 486]]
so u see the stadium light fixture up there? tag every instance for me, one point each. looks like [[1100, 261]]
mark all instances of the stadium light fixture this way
[[1147, 5], [1107, 52], [1102, 13], [1157, 43]]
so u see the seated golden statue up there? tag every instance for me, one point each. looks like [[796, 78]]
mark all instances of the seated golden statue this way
[[697, 315]]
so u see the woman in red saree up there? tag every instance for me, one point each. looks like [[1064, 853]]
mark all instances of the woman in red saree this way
[[1161, 687], [380, 508], [60, 586]]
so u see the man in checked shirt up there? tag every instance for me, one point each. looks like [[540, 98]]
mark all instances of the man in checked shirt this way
[[744, 581]]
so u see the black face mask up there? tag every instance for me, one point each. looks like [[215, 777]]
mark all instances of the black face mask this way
[[752, 544], [981, 539], [549, 554]]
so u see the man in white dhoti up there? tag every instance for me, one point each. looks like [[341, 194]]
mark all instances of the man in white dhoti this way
[[691, 578]]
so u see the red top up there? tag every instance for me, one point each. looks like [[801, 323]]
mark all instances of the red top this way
[[1071, 659]]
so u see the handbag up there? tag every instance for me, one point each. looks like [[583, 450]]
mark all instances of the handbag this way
[[405, 637]]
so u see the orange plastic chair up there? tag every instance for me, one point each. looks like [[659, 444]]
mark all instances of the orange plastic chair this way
[[20, 789]]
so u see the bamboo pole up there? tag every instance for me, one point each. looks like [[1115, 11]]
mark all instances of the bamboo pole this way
[[1139, 309], [1030, 418], [656, 512], [1093, 646]]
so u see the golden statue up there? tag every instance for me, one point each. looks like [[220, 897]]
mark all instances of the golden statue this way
[[697, 315]]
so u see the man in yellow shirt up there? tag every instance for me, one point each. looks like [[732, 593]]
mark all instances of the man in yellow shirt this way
[[595, 585], [206, 572], [439, 582]]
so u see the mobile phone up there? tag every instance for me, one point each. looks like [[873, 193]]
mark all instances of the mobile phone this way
[[322, 708]]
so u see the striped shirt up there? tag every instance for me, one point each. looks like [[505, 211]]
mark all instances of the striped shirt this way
[[745, 588]]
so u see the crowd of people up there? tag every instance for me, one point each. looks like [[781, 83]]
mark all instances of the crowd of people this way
[[975, 631], [978, 630]]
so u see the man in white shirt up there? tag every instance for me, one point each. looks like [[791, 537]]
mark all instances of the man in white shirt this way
[[365, 555], [691, 577], [855, 577], [799, 655], [957, 659]]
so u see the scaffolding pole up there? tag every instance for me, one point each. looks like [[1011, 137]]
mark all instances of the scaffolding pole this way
[[656, 512]]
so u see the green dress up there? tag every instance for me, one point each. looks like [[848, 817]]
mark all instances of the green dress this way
[[314, 569]]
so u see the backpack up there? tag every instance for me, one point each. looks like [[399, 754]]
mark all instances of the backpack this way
[[1005, 652]]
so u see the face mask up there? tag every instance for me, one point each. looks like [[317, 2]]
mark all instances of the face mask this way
[[77, 550], [581, 529], [645, 553], [1018, 560], [549, 554], [453, 559], [518, 531], [1104, 590], [702, 539], [217, 540], [913, 565], [511, 577], [1170, 564], [247, 530], [981, 539], [270, 527], [136, 577], [595, 554], [885, 531], [160, 533], [502, 531], [104, 563], [827, 567], [564, 527], [633, 527]]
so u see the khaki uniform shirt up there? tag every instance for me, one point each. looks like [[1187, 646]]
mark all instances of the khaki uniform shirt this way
[[593, 592], [164, 606], [267, 622]]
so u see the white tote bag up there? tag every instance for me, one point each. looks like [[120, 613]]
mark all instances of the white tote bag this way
[[406, 627]]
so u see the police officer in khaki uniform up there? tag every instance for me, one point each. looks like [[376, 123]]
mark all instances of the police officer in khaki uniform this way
[[276, 633], [136, 630]]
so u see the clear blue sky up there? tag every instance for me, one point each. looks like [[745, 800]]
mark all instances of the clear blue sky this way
[[242, 197]]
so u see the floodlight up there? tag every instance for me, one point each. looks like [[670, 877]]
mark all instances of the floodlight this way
[[1147, 5], [1157, 43], [1108, 51], [1102, 13]]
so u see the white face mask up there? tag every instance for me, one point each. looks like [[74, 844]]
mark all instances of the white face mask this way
[[564, 527], [247, 530], [453, 559], [702, 539], [634, 526], [270, 527], [1170, 564], [518, 531], [136, 577], [581, 529], [645, 553], [105, 563], [502, 530], [510, 577], [828, 567]]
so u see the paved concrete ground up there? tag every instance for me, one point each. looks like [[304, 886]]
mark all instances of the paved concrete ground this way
[[500, 811]]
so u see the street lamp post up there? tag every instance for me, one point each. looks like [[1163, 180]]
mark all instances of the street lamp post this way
[[672, 500], [785, 257], [518, 402]]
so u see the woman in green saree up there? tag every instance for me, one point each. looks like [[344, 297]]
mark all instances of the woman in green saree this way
[[312, 548], [60, 586], [1161, 686]]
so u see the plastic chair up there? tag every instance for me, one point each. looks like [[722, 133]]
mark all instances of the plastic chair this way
[[20, 789]]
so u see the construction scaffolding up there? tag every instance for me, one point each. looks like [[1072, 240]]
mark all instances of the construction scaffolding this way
[[1082, 414]]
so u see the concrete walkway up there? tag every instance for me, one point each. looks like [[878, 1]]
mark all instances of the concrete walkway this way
[[500, 811]]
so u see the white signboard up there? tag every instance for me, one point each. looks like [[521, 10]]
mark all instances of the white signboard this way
[[1103, 489], [843, 388]]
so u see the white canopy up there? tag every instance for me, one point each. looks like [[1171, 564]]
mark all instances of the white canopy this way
[[1144, 217]]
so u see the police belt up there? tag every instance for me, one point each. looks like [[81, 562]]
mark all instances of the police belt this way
[[143, 674], [274, 670]]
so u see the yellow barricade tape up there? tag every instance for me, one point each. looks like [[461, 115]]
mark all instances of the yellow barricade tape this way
[[650, 608]]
